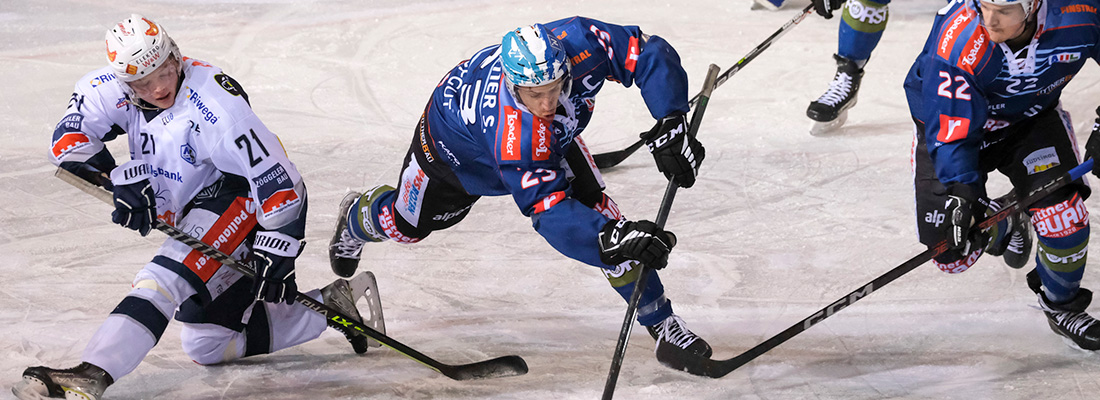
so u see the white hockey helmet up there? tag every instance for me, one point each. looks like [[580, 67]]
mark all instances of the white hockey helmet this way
[[1030, 6], [137, 46]]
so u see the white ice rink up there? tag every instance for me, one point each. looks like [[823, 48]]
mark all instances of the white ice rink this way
[[779, 225]]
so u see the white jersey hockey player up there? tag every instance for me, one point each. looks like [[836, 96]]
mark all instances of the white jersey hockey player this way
[[200, 160]]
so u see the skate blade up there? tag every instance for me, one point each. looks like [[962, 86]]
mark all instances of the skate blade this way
[[818, 128], [366, 285], [30, 389]]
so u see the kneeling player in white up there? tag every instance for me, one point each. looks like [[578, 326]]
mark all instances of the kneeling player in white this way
[[203, 162]]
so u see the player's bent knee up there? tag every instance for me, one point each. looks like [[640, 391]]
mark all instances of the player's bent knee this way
[[209, 344]]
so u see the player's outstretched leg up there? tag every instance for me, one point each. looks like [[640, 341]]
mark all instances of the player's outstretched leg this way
[[342, 295], [830, 111], [1069, 319], [346, 246], [673, 332], [85, 381]]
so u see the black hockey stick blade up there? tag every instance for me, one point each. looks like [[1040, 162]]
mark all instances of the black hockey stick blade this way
[[662, 217], [493, 368], [701, 366], [613, 158]]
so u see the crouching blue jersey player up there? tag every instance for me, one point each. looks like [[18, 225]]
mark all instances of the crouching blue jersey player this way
[[507, 121]]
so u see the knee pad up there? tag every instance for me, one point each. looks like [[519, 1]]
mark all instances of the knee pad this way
[[209, 344]]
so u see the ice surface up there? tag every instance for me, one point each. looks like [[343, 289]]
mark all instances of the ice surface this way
[[779, 225]]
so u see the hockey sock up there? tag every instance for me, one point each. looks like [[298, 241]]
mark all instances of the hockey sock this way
[[653, 307], [861, 28], [1063, 234]]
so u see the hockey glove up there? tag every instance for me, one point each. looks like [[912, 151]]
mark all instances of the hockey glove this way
[[273, 256], [825, 8], [1092, 147], [962, 205], [643, 241], [678, 155], [135, 201]]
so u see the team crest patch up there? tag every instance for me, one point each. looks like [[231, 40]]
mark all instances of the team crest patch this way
[[1041, 160], [188, 153]]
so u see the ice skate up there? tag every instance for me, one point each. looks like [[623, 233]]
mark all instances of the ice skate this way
[[1077, 328], [342, 295], [345, 249], [1015, 249], [673, 335], [830, 111], [83, 382]]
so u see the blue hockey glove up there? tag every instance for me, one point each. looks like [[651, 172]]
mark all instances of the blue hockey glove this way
[[643, 241], [135, 201], [825, 8], [273, 256], [962, 206], [1092, 147], [678, 155]]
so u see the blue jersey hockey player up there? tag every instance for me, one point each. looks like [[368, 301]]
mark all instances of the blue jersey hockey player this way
[[985, 95], [202, 161], [507, 122]]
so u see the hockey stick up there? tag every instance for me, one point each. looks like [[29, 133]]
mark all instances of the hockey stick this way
[[494, 368], [613, 158], [718, 368], [662, 217]]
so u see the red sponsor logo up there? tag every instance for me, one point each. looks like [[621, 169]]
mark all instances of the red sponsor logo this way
[[1060, 220], [549, 201], [960, 265], [608, 208], [632, 54], [385, 218], [227, 233], [947, 40], [952, 128], [540, 140], [974, 50], [68, 143], [278, 201], [509, 139]]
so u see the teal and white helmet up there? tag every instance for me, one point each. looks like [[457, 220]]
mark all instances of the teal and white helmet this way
[[532, 56]]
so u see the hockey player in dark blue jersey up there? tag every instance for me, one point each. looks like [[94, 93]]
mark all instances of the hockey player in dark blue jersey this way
[[985, 94], [507, 122]]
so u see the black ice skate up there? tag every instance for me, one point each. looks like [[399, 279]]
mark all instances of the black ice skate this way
[[342, 296], [830, 111], [83, 382], [673, 335], [1015, 250], [1069, 320], [345, 250]]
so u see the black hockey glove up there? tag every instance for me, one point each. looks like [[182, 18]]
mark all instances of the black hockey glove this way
[[961, 208], [678, 155], [273, 255], [643, 241], [1092, 147], [135, 201], [825, 8]]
